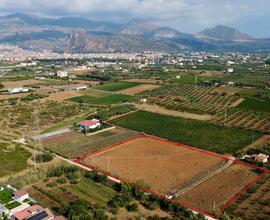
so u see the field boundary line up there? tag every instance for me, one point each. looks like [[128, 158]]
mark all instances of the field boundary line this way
[[80, 163]]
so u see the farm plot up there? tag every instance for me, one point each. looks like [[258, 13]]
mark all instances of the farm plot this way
[[137, 89], [191, 98], [256, 105], [60, 96], [113, 87], [149, 80], [191, 132], [244, 119], [104, 100], [161, 165], [216, 192], [167, 168], [74, 144]]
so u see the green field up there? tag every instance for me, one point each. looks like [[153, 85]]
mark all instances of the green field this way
[[255, 105], [6, 196], [12, 160], [105, 100], [113, 87], [13, 205], [191, 132], [93, 192]]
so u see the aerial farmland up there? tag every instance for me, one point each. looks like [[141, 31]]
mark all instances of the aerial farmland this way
[[159, 141]]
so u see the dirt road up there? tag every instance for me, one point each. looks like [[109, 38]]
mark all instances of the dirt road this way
[[163, 111]]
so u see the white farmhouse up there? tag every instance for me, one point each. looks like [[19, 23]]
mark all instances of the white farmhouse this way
[[62, 74]]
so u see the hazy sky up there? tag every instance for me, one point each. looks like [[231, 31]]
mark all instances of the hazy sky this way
[[250, 16]]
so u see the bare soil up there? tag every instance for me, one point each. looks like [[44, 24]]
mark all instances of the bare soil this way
[[161, 165], [237, 102], [228, 90], [21, 83], [59, 96], [145, 80], [220, 189], [160, 110], [137, 89]]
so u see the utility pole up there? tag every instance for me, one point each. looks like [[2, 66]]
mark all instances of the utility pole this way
[[226, 114], [37, 127]]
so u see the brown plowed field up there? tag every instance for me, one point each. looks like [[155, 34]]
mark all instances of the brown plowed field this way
[[137, 89], [220, 189], [60, 96], [162, 165], [145, 80]]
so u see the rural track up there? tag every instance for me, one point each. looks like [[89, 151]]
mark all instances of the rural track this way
[[190, 187]]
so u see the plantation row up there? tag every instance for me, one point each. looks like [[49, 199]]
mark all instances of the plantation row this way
[[83, 146], [191, 132], [244, 119], [250, 80], [189, 97]]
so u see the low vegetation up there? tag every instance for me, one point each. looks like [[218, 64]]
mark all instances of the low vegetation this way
[[113, 87], [113, 111], [105, 100], [12, 159]]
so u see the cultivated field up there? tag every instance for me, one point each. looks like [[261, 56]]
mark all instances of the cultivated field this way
[[113, 87], [169, 168], [104, 100], [244, 119], [137, 89], [191, 132], [220, 189], [163, 166], [151, 81], [191, 98], [75, 144], [60, 96], [255, 205]]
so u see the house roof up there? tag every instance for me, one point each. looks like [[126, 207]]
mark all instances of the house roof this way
[[34, 212], [20, 193], [27, 212], [89, 123]]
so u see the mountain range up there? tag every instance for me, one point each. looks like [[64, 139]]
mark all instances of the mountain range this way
[[77, 34]]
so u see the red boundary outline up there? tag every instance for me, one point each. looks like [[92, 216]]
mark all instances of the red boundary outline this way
[[241, 192]]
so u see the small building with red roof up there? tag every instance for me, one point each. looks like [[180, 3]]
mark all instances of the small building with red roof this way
[[89, 124]]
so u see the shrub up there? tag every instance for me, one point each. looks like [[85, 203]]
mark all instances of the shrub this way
[[132, 207], [51, 184], [61, 180], [41, 158]]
